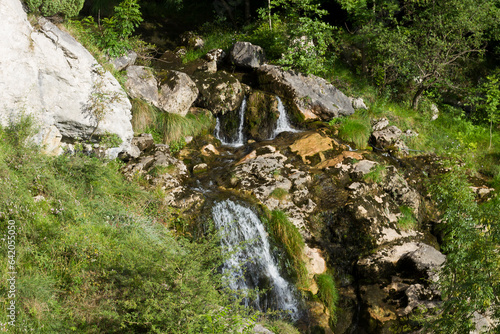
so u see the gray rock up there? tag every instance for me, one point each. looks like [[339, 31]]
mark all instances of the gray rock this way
[[434, 111], [219, 92], [47, 74], [124, 61], [389, 137], [177, 92], [191, 40], [141, 84], [380, 124], [362, 168], [358, 103], [425, 260], [216, 55], [245, 54], [312, 96], [144, 142], [259, 329]]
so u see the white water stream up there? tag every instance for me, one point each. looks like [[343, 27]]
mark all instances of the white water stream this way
[[283, 124], [250, 261], [239, 140]]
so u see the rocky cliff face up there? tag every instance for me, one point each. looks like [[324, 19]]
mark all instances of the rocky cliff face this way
[[46, 73]]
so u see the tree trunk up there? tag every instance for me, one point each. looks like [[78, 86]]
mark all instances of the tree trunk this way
[[417, 96]]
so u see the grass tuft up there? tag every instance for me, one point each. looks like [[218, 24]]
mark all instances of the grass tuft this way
[[407, 219], [328, 294], [355, 130]]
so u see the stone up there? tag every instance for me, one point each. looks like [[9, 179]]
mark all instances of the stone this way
[[358, 103], [47, 74], [200, 168], [209, 150], [191, 40], [141, 84], [311, 144], [219, 92], [362, 168], [434, 112], [144, 141], [122, 62], [380, 124], [389, 137], [261, 115], [259, 329], [217, 55], [245, 54], [425, 260], [311, 96], [177, 92]]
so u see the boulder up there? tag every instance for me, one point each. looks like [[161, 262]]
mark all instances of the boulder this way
[[219, 92], [358, 103], [261, 115], [122, 62], [387, 137], [311, 96], [47, 74], [144, 142], [192, 41], [177, 92], [142, 84], [245, 54], [217, 55]]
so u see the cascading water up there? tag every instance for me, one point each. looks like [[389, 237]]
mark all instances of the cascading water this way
[[250, 262], [283, 124], [238, 140]]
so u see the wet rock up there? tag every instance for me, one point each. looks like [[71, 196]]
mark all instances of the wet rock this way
[[311, 144], [209, 150], [311, 96], [177, 92], [200, 168], [141, 84], [144, 141], [261, 115], [245, 54], [122, 62], [219, 92]]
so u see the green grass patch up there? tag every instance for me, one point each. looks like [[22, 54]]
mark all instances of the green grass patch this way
[[328, 294], [376, 175], [174, 127], [94, 252], [279, 193], [407, 219], [355, 130], [286, 234]]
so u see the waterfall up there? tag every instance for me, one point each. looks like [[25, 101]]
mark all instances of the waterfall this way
[[239, 140], [250, 261], [283, 124]]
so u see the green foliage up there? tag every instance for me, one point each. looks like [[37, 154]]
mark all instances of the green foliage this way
[[279, 193], [328, 294], [175, 127], [300, 37], [92, 255], [109, 140], [355, 130], [66, 8], [407, 219], [113, 34], [492, 102], [280, 327], [284, 232], [376, 175], [215, 36], [469, 280]]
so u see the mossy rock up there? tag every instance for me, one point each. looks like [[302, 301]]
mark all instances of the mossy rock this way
[[261, 115], [219, 92]]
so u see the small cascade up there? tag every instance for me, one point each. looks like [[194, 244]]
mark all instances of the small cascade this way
[[234, 141], [251, 263], [283, 124]]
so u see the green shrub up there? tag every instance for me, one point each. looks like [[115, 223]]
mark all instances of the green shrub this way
[[284, 232], [356, 131], [328, 294], [66, 8]]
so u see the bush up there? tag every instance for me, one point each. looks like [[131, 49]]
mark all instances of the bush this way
[[66, 8], [356, 131]]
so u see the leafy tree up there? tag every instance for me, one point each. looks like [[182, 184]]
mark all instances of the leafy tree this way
[[419, 44], [469, 280], [308, 37], [67, 8], [492, 102]]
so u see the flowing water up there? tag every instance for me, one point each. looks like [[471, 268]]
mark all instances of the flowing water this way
[[239, 139], [250, 263], [283, 124]]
